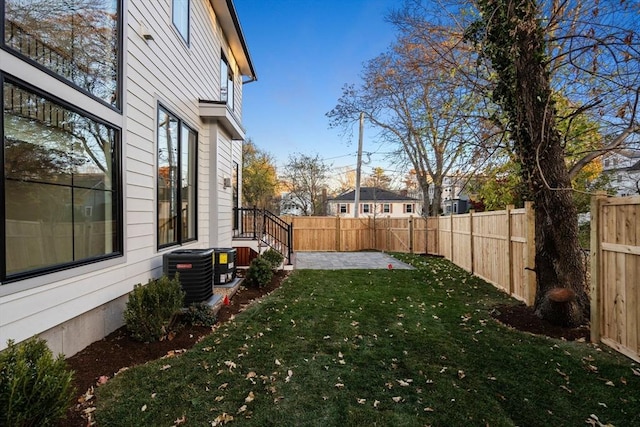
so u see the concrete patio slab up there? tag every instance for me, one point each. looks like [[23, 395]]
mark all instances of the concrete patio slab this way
[[346, 260]]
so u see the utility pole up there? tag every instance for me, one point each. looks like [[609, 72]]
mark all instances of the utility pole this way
[[356, 207]]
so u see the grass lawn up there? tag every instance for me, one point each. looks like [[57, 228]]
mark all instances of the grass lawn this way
[[380, 347]]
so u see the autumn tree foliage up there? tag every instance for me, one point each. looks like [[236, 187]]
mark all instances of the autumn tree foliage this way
[[259, 179]]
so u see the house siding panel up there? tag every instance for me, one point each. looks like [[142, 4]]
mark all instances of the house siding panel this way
[[89, 299]]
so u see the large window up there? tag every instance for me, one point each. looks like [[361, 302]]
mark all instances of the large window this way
[[78, 41], [177, 149], [226, 82], [61, 185], [180, 14]]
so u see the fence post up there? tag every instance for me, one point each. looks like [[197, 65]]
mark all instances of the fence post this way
[[471, 212], [388, 234], [451, 236], [411, 234], [338, 243], [596, 259], [530, 253], [509, 251]]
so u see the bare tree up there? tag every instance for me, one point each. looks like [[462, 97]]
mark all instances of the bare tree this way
[[305, 177], [409, 95]]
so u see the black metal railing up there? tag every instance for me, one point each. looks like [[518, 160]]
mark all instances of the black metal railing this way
[[265, 226]]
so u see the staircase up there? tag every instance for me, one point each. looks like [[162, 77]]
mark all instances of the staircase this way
[[260, 230]]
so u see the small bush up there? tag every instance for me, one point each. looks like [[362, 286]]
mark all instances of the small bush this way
[[199, 314], [273, 257], [152, 308], [260, 272], [35, 388]]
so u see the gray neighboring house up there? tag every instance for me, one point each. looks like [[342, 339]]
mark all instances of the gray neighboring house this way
[[374, 202]]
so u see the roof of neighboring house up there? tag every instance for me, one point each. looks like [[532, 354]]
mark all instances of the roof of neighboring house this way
[[368, 194]]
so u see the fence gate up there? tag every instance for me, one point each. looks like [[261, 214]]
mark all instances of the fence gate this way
[[615, 273]]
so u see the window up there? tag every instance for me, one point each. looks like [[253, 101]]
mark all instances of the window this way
[[180, 16], [386, 208], [408, 208], [343, 208], [226, 82], [78, 42], [177, 148], [62, 199], [366, 208], [235, 190]]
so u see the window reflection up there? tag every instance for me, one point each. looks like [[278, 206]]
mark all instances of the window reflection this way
[[75, 39], [60, 196]]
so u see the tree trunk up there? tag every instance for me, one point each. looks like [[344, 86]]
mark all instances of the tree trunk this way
[[515, 43], [558, 261]]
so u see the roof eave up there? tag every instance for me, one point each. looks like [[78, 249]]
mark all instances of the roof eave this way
[[226, 13]]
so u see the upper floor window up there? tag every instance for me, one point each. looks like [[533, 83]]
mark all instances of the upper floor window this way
[[408, 208], [177, 148], [61, 185], [78, 41], [180, 16], [343, 208], [386, 208], [366, 208], [226, 82]]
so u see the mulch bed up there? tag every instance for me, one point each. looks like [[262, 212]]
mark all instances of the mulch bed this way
[[103, 359]]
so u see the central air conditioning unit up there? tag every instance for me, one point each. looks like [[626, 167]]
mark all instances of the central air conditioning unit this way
[[224, 265], [195, 271]]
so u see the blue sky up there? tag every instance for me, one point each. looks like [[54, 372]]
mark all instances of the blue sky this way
[[304, 52]]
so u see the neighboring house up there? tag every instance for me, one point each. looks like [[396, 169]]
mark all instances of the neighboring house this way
[[623, 168], [374, 202], [122, 141], [290, 205]]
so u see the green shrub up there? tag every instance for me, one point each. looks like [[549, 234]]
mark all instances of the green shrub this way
[[199, 314], [152, 308], [35, 388], [259, 272], [273, 257]]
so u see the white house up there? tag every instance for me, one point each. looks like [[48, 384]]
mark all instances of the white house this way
[[374, 202], [122, 141], [623, 168]]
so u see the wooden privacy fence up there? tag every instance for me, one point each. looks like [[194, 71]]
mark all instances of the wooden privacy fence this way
[[496, 246], [615, 273]]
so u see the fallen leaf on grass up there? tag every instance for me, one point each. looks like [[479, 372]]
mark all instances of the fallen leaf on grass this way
[[428, 409], [461, 374], [221, 419], [376, 403], [165, 367], [278, 362], [230, 364], [339, 385], [179, 421], [361, 401], [144, 408], [250, 397], [636, 372], [397, 399], [242, 409], [223, 386]]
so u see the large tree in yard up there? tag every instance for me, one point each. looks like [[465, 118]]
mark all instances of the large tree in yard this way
[[535, 49]]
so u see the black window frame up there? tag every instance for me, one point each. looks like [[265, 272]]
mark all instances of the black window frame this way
[[117, 208], [180, 239], [229, 82], [119, 60]]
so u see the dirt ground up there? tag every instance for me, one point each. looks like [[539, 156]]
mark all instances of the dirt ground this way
[[103, 359]]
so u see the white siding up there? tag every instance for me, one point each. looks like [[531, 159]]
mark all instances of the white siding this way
[[163, 70]]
